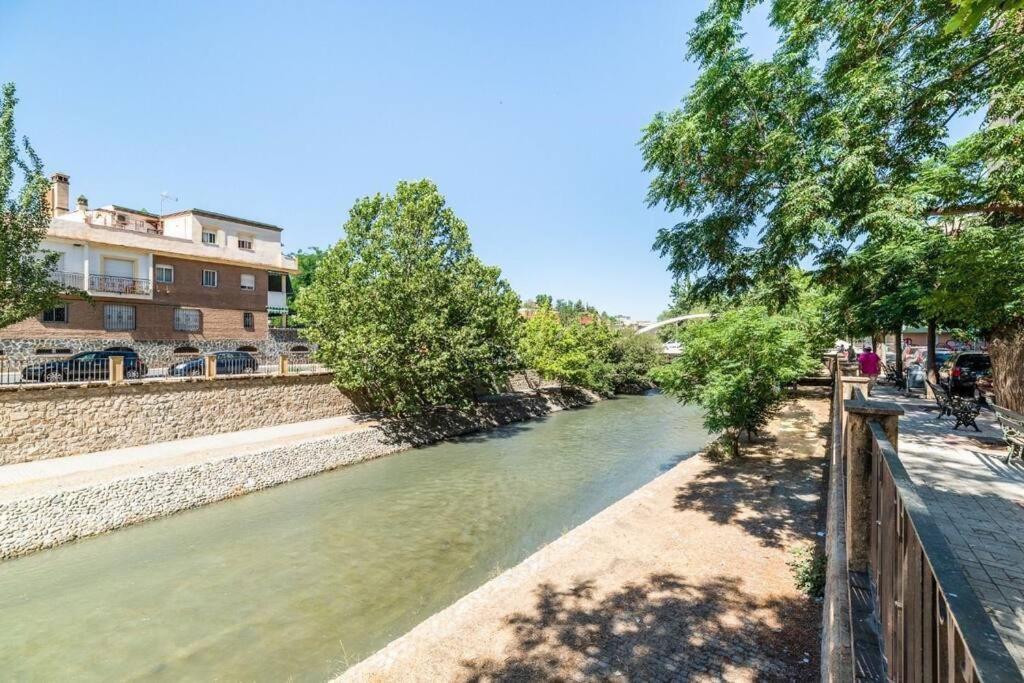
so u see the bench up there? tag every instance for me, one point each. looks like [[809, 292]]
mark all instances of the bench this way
[[895, 376], [941, 397], [1013, 431], [964, 410]]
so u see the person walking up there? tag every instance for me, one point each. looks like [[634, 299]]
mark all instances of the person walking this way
[[870, 365]]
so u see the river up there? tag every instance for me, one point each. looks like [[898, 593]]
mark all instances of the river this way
[[302, 580]]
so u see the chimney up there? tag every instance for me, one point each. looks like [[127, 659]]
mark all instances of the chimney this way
[[83, 203], [58, 196]]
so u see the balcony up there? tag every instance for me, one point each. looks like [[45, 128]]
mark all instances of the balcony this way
[[68, 280], [113, 284]]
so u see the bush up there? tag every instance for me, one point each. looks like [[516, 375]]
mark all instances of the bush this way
[[809, 568]]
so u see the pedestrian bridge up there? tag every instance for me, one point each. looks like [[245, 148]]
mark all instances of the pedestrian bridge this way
[[672, 321]]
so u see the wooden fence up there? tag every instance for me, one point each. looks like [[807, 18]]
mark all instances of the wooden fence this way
[[913, 616]]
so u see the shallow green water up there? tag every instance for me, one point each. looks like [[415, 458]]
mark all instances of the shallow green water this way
[[304, 579]]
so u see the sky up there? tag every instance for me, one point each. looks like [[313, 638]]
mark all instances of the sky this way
[[526, 115]]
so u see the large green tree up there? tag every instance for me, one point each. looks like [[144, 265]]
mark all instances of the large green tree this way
[[26, 283], [816, 153], [403, 310], [774, 162]]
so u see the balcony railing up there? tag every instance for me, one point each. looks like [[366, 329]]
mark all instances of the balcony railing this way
[[68, 280], [113, 284]]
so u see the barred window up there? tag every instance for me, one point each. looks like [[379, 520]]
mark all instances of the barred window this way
[[188, 319], [118, 317], [56, 315], [249, 320]]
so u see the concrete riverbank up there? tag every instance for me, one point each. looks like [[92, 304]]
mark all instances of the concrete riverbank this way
[[684, 579], [47, 503]]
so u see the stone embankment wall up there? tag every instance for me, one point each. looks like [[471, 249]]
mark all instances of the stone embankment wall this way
[[35, 522], [39, 421]]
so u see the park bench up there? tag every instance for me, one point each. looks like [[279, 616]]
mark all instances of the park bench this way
[[1013, 431], [895, 376], [964, 410]]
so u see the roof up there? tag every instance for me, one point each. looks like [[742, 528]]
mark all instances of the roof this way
[[225, 217]]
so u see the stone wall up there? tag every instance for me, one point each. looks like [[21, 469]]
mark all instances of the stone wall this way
[[34, 522], [39, 421]]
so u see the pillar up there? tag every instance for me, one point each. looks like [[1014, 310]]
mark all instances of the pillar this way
[[116, 375], [858, 447]]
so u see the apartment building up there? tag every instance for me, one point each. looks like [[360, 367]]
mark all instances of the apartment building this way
[[185, 282]]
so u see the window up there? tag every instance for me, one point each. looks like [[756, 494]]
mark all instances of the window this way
[[188, 319], [245, 242], [56, 315], [209, 278], [275, 282], [209, 237], [118, 317], [248, 282], [248, 349], [249, 320], [300, 349], [191, 350], [165, 274]]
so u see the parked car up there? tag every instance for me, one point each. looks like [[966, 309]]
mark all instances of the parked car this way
[[228, 363], [917, 369], [85, 367], [961, 371]]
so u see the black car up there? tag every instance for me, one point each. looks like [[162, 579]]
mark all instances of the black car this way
[[961, 372], [228, 363], [85, 367]]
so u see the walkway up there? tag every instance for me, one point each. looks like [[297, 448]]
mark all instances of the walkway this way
[[62, 474], [977, 501], [685, 579]]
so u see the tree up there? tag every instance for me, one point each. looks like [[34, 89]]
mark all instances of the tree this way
[[971, 12], [402, 309], [736, 366], [586, 351], [801, 149], [27, 285]]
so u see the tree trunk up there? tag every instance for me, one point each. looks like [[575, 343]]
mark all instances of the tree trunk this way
[[899, 349], [931, 370], [1007, 352]]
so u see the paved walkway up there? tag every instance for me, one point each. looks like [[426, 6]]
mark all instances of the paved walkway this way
[[685, 579], [977, 501], [61, 474]]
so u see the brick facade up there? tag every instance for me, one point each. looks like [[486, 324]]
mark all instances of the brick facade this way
[[222, 309]]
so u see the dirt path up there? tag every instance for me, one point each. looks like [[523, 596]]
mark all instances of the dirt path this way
[[685, 579]]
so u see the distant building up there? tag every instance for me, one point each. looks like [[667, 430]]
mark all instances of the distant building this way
[[187, 281]]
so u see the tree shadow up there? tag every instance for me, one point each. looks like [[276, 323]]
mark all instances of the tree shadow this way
[[772, 490], [662, 628]]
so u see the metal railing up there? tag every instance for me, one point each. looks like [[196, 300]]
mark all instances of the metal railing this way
[[57, 368], [131, 224], [68, 280], [299, 363], [115, 284], [54, 371]]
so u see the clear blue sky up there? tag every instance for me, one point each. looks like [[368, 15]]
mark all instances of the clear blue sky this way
[[526, 114]]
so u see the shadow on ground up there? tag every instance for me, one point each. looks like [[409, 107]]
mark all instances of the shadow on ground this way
[[661, 629], [771, 490]]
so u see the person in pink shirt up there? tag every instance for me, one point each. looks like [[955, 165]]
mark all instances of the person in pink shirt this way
[[870, 365]]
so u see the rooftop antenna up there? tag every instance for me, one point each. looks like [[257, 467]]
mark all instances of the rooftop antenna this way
[[165, 196]]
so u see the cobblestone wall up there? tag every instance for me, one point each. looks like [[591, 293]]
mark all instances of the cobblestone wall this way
[[41, 422]]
